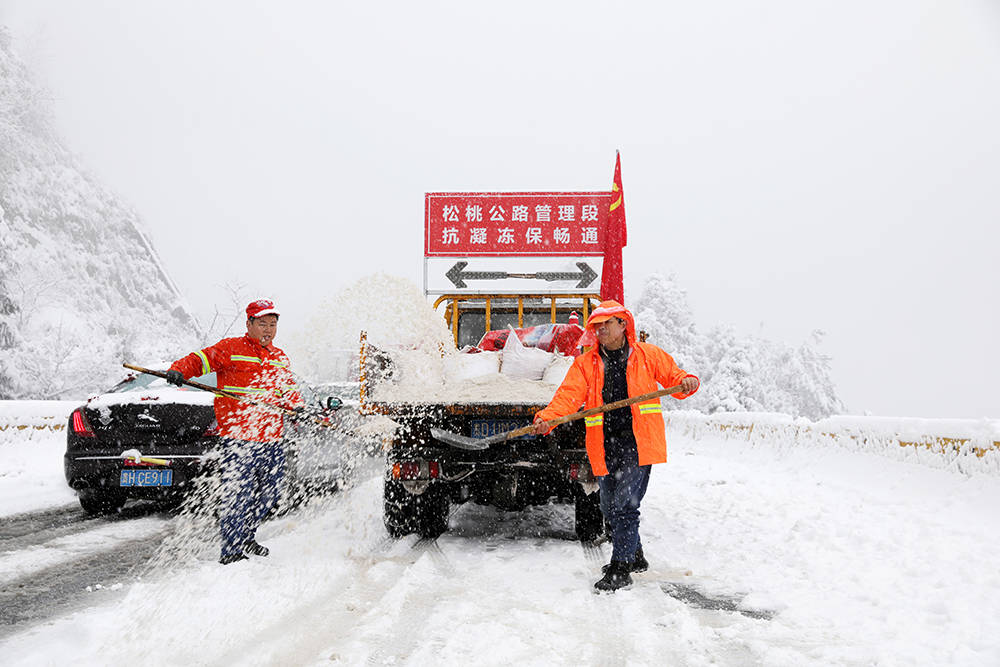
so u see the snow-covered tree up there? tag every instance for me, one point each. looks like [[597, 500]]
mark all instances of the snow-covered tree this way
[[811, 380], [662, 311], [737, 374], [8, 311]]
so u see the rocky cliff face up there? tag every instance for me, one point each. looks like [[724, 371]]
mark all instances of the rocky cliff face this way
[[81, 288]]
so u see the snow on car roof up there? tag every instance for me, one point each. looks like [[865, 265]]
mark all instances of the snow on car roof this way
[[145, 388]]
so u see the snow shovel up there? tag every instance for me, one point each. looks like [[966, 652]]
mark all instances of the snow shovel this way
[[475, 444]]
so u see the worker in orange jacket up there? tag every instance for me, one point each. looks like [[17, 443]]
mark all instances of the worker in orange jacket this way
[[622, 444], [253, 458]]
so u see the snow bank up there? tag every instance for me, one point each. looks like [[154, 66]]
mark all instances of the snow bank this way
[[969, 446], [32, 443], [30, 417]]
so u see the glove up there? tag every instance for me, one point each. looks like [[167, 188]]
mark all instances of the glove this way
[[175, 377]]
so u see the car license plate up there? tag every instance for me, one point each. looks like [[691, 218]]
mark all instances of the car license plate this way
[[484, 428], [157, 477]]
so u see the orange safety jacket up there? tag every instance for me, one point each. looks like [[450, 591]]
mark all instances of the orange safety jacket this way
[[245, 367], [647, 365]]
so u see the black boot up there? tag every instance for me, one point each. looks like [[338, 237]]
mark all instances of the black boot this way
[[255, 549], [616, 576], [232, 558], [639, 563]]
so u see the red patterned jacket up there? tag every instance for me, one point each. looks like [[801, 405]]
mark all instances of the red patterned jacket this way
[[244, 366]]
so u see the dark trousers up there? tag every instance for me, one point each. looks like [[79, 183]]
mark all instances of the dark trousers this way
[[622, 490], [251, 472]]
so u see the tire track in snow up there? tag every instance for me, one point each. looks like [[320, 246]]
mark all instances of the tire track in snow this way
[[611, 628], [405, 628], [64, 587], [20, 531], [338, 611], [17, 526], [49, 558]]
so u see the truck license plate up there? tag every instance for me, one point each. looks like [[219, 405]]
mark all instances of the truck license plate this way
[[484, 428], [158, 477]]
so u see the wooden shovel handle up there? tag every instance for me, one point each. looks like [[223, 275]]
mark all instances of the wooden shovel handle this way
[[525, 430], [214, 390]]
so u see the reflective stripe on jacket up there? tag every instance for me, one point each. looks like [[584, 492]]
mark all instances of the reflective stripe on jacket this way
[[647, 365], [245, 367]]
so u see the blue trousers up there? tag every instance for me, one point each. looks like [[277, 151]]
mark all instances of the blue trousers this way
[[622, 490], [251, 472]]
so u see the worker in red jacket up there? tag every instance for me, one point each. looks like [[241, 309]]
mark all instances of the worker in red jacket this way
[[253, 458], [621, 444]]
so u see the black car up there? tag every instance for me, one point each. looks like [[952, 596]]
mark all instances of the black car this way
[[146, 439]]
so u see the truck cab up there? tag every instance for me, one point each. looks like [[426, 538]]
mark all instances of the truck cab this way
[[470, 316]]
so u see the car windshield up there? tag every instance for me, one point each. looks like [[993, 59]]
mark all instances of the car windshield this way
[[144, 381]]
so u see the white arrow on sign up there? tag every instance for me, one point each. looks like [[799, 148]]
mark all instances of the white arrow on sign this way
[[512, 275]]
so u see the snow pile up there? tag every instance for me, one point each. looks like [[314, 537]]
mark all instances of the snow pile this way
[[415, 347], [737, 374], [391, 311], [81, 287], [435, 386], [517, 375]]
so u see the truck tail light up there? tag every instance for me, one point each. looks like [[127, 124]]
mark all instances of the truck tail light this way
[[407, 470], [81, 426]]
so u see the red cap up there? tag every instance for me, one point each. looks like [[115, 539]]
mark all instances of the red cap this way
[[262, 307]]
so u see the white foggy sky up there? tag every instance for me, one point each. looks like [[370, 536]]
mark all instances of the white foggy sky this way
[[798, 165]]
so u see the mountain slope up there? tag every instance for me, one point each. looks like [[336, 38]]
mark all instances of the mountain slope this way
[[81, 288]]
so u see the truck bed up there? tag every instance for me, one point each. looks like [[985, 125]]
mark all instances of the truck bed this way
[[407, 411]]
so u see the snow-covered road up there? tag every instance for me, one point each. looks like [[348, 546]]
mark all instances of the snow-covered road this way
[[838, 557]]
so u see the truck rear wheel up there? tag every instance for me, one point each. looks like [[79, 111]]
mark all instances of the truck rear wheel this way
[[432, 513], [404, 513], [398, 511], [589, 519]]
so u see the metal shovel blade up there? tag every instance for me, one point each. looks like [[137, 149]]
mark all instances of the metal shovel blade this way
[[463, 441]]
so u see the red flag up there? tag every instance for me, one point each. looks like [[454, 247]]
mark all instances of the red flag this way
[[614, 240]]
